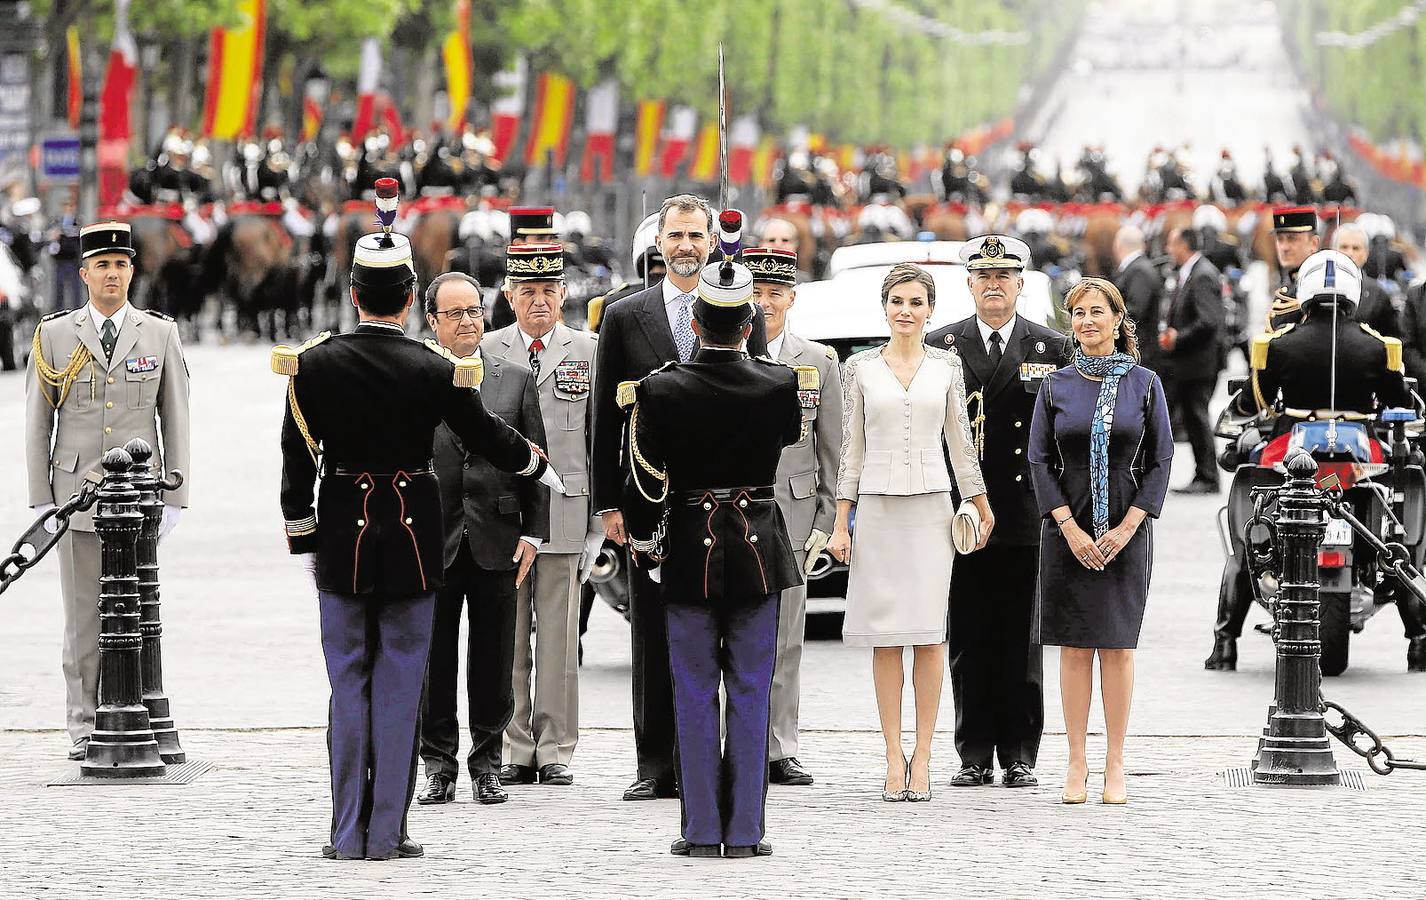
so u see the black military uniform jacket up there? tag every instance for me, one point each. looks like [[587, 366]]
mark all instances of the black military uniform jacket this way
[[484, 507], [1000, 416], [369, 402], [715, 428], [1295, 362]]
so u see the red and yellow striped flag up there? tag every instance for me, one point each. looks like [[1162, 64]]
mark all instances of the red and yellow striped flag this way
[[763, 161], [705, 155], [75, 99], [235, 74], [647, 125], [554, 111], [459, 65]]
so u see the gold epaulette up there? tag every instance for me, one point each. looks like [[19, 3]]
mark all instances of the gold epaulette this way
[[1258, 357], [626, 394], [831, 354], [1283, 302], [284, 357], [469, 370], [1393, 348], [808, 378]]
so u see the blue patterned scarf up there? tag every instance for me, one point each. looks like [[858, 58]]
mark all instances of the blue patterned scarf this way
[[1110, 368]]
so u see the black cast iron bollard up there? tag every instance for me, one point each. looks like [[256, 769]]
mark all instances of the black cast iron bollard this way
[[1295, 749], [123, 744], [148, 484]]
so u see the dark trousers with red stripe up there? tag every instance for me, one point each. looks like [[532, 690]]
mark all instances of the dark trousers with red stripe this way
[[722, 783], [375, 648]]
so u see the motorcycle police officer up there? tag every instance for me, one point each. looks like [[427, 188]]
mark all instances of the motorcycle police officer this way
[[706, 437], [1364, 373]]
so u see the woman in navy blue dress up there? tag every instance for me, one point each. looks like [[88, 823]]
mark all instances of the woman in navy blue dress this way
[[1100, 449]]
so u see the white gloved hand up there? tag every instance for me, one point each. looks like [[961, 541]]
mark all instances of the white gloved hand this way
[[815, 546], [593, 543], [309, 565], [551, 479], [53, 524], [169, 520], [656, 575]]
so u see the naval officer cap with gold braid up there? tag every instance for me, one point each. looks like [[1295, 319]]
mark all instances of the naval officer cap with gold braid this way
[[995, 251]]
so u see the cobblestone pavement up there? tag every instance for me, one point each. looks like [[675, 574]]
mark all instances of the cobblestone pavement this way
[[242, 653]]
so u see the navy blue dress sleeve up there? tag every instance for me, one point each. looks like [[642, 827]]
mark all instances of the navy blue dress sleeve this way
[[1156, 454], [1044, 453]]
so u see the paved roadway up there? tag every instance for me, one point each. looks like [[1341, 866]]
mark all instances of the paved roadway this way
[[242, 654]]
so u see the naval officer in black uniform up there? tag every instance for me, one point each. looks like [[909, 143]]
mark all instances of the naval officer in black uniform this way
[[706, 437], [995, 672], [365, 405]]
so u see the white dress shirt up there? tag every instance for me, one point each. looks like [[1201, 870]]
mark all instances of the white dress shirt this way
[[986, 331], [530, 339], [1186, 268], [774, 345], [670, 304]]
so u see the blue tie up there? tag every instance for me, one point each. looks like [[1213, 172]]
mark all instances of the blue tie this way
[[683, 336]]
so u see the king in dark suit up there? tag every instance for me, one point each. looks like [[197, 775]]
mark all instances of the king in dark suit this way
[[639, 334], [995, 672], [362, 409], [495, 524], [706, 439]]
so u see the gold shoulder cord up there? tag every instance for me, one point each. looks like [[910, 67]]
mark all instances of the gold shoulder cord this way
[[643, 463], [61, 379], [977, 424], [301, 420]]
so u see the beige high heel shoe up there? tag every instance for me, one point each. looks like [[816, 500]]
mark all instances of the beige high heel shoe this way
[[1114, 799], [1083, 795]]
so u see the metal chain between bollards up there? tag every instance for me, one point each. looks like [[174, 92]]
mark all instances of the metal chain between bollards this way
[[1351, 730], [38, 537]]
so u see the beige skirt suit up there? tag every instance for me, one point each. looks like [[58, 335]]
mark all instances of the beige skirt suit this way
[[894, 470]]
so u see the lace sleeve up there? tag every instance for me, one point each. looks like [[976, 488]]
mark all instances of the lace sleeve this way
[[849, 471], [964, 461]]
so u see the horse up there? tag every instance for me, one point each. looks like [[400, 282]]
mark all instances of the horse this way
[[164, 266]]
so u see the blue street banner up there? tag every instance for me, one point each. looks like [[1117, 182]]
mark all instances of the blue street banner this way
[[59, 158]]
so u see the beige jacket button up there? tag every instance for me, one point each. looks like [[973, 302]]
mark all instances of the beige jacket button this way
[[108, 430], [109, 405]]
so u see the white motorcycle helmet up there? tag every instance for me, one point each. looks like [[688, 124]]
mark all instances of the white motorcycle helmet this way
[[1034, 221], [1328, 275]]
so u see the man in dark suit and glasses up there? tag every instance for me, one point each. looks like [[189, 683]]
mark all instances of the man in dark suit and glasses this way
[[637, 335], [494, 526], [1192, 345], [995, 672], [1143, 289]]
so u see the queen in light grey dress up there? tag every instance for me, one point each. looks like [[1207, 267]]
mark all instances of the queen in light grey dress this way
[[894, 469]]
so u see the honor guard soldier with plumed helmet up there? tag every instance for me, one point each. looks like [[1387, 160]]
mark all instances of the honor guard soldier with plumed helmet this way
[[1322, 366], [361, 410], [995, 671], [98, 376], [706, 436]]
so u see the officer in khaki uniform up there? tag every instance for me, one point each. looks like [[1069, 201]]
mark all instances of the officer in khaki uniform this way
[[805, 486], [543, 733], [99, 376]]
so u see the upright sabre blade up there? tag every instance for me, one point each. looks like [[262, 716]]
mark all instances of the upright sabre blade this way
[[722, 134]]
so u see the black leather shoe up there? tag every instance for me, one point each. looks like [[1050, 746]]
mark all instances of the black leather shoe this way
[[488, 789], [681, 847], [642, 789], [556, 774], [973, 776], [407, 849], [514, 773], [79, 750], [1198, 487], [1224, 657], [1018, 774], [1416, 655], [330, 852], [763, 848], [438, 789], [788, 771]]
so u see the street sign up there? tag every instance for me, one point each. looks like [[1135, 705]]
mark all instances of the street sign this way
[[59, 158], [14, 111]]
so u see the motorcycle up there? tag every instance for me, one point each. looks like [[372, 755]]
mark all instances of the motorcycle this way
[[1372, 461]]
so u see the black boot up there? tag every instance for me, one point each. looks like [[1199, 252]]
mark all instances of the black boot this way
[[1224, 657], [1416, 655]]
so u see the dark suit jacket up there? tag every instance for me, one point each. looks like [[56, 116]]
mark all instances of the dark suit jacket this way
[[1143, 290], [634, 340], [1009, 406], [1413, 332], [487, 508], [1376, 310], [1196, 311]]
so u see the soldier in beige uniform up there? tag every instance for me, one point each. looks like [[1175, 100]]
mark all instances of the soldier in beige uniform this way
[[806, 480], [99, 376], [545, 727]]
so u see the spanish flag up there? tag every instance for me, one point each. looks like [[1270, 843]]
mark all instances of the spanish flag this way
[[75, 74], [648, 123], [459, 65], [705, 155], [235, 74], [554, 111], [763, 161]]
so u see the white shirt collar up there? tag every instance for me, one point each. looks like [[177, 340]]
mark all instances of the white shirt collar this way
[[672, 293], [527, 339], [1188, 267], [1128, 260], [774, 345], [99, 318], [1003, 331]]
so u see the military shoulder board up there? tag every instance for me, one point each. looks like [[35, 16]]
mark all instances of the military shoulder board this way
[[158, 315], [56, 315], [284, 358]]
